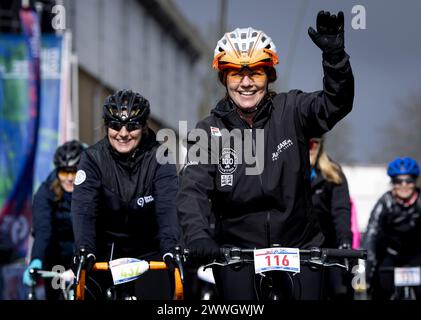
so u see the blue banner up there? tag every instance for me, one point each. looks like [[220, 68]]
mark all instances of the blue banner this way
[[51, 85], [20, 109]]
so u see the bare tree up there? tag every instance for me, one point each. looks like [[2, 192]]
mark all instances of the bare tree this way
[[338, 142]]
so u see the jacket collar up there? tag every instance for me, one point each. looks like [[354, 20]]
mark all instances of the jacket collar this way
[[226, 110], [128, 161]]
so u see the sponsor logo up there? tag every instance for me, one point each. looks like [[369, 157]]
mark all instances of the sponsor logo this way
[[226, 180], [215, 132], [280, 148], [144, 200], [228, 161]]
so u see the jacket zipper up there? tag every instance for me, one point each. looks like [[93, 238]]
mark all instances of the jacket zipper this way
[[253, 134]]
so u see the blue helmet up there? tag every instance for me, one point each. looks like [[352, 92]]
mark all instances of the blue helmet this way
[[403, 166]]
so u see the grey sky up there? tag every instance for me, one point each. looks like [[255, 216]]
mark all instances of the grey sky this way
[[386, 56]]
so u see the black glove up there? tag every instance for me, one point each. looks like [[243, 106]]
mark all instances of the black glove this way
[[204, 248], [329, 36]]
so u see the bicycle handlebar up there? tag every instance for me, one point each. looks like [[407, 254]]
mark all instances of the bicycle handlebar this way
[[153, 265], [336, 253], [314, 257], [315, 252]]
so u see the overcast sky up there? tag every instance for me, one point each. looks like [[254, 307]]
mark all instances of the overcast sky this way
[[386, 56]]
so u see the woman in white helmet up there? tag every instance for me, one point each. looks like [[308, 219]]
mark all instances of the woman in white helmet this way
[[272, 204]]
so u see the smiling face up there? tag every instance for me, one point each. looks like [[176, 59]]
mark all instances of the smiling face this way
[[404, 186], [66, 178], [124, 141], [247, 87]]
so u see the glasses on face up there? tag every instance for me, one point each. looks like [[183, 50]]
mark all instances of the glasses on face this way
[[118, 125], [236, 76], [65, 173], [398, 181]]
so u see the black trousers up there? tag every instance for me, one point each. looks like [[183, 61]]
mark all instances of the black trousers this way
[[241, 283]]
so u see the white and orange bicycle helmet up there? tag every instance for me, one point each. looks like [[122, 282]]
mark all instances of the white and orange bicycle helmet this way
[[244, 47]]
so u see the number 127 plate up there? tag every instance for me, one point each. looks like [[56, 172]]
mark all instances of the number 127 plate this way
[[281, 259]]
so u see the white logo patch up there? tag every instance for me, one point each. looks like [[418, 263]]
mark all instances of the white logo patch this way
[[140, 202], [228, 162], [281, 147], [215, 132], [80, 177], [226, 180], [144, 200]]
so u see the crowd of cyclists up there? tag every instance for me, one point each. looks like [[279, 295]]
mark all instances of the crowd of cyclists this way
[[116, 199]]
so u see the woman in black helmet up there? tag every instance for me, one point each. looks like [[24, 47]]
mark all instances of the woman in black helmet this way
[[52, 225], [124, 199]]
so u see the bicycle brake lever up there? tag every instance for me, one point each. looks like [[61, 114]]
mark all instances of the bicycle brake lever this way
[[180, 266], [225, 264], [209, 265], [79, 268], [336, 265]]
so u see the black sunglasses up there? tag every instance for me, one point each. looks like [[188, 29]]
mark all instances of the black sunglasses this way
[[118, 125], [402, 180]]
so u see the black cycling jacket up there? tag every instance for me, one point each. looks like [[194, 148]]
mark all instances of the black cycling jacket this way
[[52, 226], [127, 203], [333, 208], [274, 206], [392, 229]]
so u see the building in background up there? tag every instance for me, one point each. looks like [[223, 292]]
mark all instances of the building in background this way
[[87, 50], [145, 45]]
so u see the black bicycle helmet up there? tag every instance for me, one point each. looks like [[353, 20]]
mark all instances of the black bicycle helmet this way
[[125, 106], [68, 154]]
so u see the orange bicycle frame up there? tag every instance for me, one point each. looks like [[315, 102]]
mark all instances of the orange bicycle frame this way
[[153, 265]]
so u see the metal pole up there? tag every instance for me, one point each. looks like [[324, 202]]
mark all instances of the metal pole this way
[[223, 4]]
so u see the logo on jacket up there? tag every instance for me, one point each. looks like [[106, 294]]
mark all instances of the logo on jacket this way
[[80, 177], [228, 161], [144, 200], [215, 132], [280, 148]]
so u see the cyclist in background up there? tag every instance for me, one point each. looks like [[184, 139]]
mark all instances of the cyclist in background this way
[[273, 204], [52, 225], [124, 199], [393, 234], [331, 202]]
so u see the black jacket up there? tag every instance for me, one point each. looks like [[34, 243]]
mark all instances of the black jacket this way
[[274, 206], [392, 230], [52, 226], [128, 202], [333, 208]]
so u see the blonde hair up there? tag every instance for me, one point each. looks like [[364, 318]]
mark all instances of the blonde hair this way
[[329, 170]]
